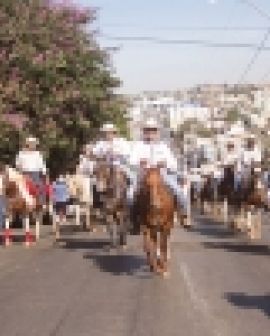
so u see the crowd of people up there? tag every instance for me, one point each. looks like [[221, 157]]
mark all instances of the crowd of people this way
[[130, 156]]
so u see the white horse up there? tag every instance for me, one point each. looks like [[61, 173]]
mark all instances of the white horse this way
[[80, 191]]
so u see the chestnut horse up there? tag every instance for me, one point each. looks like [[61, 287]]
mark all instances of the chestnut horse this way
[[156, 207]]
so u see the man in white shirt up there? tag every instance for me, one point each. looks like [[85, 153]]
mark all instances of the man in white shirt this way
[[30, 162], [252, 154], [112, 147], [86, 164], [152, 152]]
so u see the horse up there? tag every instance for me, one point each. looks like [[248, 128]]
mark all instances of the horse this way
[[252, 200], [22, 199], [156, 207], [81, 200], [111, 184], [244, 199]]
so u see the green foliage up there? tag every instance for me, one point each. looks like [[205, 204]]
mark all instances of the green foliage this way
[[10, 142], [54, 73]]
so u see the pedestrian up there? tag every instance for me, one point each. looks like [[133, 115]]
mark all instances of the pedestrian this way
[[60, 197]]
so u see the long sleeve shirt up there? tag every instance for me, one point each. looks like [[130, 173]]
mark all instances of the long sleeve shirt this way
[[86, 166], [153, 153], [252, 156], [30, 161], [118, 146]]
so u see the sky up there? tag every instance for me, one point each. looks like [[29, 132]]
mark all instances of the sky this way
[[145, 65]]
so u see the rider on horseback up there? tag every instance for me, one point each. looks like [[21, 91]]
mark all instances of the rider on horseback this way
[[152, 152], [30, 162], [86, 164], [112, 147]]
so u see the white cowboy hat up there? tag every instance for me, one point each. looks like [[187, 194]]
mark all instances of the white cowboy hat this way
[[31, 140], [108, 128], [151, 124]]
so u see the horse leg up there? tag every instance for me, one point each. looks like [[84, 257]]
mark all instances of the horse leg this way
[[225, 211], [87, 217], [111, 228], [147, 245], [165, 251], [153, 249], [77, 214], [122, 230], [28, 235], [255, 226], [258, 224], [38, 224], [7, 235]]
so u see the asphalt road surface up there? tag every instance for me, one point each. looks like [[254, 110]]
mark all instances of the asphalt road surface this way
[[219, 285]]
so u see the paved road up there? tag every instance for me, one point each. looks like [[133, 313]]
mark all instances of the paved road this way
[[220, 285]]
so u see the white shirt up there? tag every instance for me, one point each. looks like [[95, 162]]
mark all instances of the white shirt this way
[[152, 153], [231, 158], [86, 166], [118, 146], [30, 161], [252, 156]]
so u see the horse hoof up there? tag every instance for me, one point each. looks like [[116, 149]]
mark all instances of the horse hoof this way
[[166, 275], [124, 247]]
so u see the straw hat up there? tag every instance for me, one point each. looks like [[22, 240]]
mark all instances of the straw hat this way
[[31, 140], [108, 128], [151, 124]]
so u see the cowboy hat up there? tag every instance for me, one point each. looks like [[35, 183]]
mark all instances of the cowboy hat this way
[[31, 140], [108, 128], [151, 124]]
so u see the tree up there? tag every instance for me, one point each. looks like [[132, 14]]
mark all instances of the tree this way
[[54, 74]]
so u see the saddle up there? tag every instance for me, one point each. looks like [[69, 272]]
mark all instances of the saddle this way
[[31, 187]]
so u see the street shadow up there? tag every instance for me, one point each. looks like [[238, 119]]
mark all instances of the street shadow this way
[[16, 239], [242, 300], [120, 264], [255, 249], [210, 228], [82, 244]]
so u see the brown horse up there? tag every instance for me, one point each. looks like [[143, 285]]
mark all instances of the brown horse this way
[[111, 184], [156, 208], [244, 200], [19, 202]]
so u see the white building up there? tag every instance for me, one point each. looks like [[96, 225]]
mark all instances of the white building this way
[[262, 102], [180, 112]]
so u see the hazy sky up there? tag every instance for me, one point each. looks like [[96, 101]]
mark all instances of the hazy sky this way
[[144, 65]]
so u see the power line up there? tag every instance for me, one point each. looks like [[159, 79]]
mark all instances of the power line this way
[[261, 12], [261, 46], [202, 43], [255, 56], [189, 28]]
